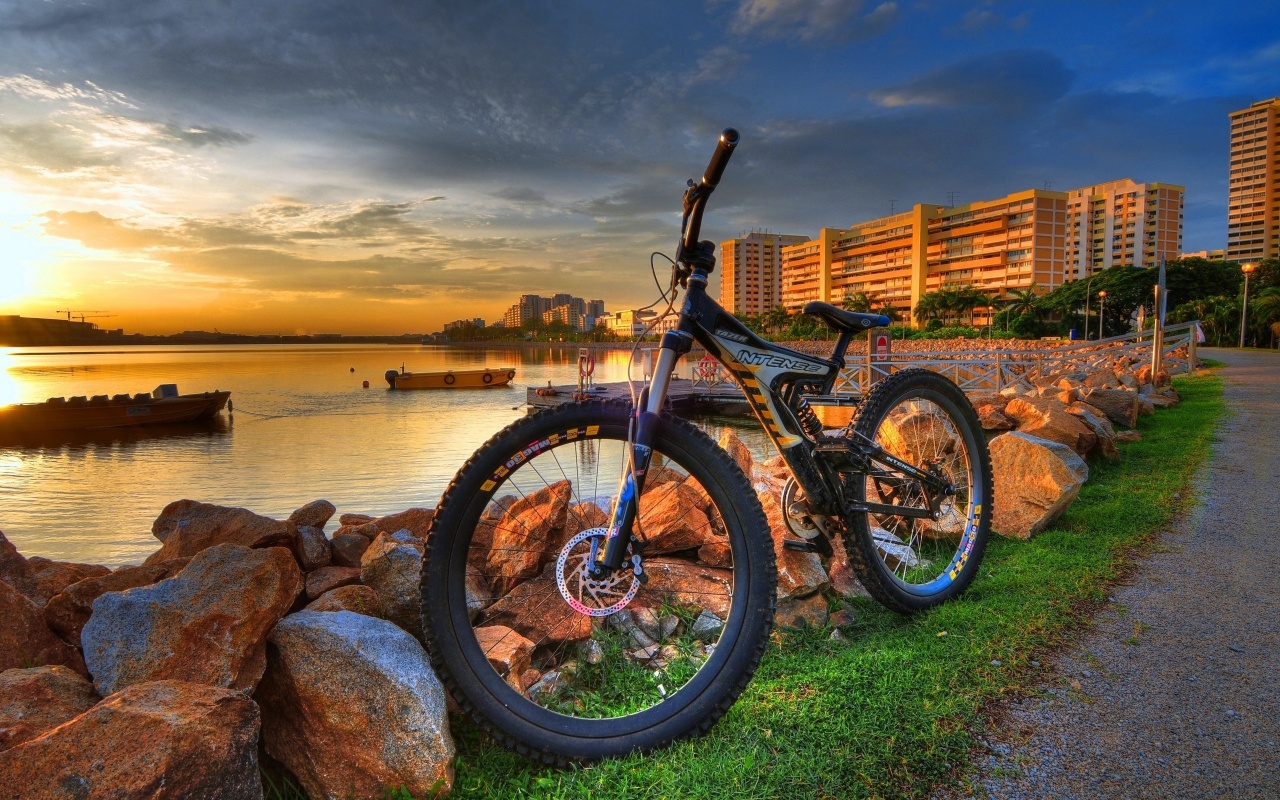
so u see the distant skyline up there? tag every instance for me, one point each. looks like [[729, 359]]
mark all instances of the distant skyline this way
[[388, 167]]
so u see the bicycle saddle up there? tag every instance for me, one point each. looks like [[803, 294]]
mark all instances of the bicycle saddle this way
[[843, 320]]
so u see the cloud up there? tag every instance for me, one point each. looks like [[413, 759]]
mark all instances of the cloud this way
[[813, 20], [1011, 82]]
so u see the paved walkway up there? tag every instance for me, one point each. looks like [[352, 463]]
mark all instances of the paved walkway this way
[[1175, 692]]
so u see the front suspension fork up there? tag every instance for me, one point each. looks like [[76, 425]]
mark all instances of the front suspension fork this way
[[647, 418]]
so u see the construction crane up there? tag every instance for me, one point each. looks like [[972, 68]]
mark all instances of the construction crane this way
[[82, 315]]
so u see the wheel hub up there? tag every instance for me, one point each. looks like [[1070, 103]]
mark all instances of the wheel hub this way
[[586, 593]]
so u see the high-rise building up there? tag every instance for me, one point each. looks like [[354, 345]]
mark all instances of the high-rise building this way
[[751, 271], [1253, 189], [1122, 224], [993, 245]]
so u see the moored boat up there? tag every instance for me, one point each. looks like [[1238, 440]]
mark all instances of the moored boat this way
[[162, 406], [485, 378]]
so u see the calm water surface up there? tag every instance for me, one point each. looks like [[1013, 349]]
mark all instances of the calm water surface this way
[[302, 429]]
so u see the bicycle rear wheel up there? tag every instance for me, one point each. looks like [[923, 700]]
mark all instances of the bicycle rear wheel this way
[[566, 667], [910, 563]]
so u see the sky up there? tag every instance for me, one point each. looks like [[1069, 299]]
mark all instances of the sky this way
[[305, 166]]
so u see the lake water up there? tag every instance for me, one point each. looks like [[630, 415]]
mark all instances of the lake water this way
[[303, 428]]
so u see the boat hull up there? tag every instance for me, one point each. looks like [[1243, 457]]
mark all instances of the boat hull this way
[[452, 379], [36, 418]]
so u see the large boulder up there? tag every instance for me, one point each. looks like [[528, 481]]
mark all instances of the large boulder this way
[[69, 610], [415, 520], [358, 598], [799, 573], [392, 567], [1102, 429], [673, 518], [25, 639], [54, 576], [346, 549], [15, 571], [186, 527], [165, 740], [311, 548], [1046, 418], [327, 579], [1121, 407], [351, 707], [536, 609], [1035, 480], [209, 624], [314, 514], [36, 700], [528, 536], [737, 450]]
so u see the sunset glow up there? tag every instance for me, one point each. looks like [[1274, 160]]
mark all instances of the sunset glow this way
[[273, 173]]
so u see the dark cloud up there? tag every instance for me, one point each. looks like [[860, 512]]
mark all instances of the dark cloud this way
[[211, 136], [1011, 82], [814, 20]]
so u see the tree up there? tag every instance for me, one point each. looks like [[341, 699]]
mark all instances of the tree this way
[[856, 301], [1022, 301], [777, 319]]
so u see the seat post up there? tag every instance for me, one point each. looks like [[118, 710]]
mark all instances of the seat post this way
[[842, 344]]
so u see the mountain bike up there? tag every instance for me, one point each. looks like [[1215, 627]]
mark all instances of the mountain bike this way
[[599, 577]]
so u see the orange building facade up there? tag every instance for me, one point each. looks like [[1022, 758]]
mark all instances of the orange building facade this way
[[1123, 224], [994, 246], [751, 271], [1253, 189]]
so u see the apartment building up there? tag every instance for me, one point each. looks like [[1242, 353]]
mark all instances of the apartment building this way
[[581, 314], [751, 271], [1122, 224], [992, 245], [1253, 189]]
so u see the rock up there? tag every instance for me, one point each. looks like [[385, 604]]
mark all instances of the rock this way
[[916, 435], [313, 515], [802, 612], [798, 573], [25, 639], [707, 627], [672, 519], [693, 586], [186, 527], [354, 519], [1145, 407], [207, 625], [54, 576], [536, 610], [1048, 419], [415, 520], [357, 598], [166, 740], [1121, 407], [1161, 401], [1128, 436], [1101, 379], [69, 610], [738, 451], [312, 549], [392, 567], [528, 536], [327, 579], [994, 419], [584, 516], [1101, 427], [15, 571], [1035, 480], [841, 618], [351, 707], [507, 652], [844, 581], [348, 549], [37, 700], [717, 554]]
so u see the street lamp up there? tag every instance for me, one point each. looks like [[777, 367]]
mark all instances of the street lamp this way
[[1244, 300], [1102, 304]]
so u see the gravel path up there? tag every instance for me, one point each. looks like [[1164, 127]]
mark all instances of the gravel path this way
[[1175, 691]]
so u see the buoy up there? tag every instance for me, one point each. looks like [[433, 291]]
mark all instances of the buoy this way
[[231, 407], [365, 384], [353, 369]]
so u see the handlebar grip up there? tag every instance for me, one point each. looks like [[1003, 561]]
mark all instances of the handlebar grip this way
[[720, 158]]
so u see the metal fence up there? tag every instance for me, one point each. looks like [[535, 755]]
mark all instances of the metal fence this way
[[992, 370]]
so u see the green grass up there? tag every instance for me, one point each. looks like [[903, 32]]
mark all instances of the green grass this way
[[893, 709]]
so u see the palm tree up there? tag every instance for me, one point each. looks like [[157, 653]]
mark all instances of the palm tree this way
[[776, 319], [1022, 301], [856, 301]]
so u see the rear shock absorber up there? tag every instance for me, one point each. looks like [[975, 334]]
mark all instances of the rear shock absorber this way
[[807, 418]]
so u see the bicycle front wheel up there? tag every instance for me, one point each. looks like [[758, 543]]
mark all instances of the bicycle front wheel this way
[[565, 666], [910, 563]]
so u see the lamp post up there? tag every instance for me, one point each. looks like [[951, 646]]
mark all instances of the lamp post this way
[[1244, 300], [1102, 305]]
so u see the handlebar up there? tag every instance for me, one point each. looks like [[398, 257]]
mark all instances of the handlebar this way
[[695, 197]]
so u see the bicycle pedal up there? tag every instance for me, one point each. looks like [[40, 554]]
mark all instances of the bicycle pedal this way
[[801, 545]]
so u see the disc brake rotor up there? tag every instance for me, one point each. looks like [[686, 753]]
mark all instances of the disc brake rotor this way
[[584, 594]]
